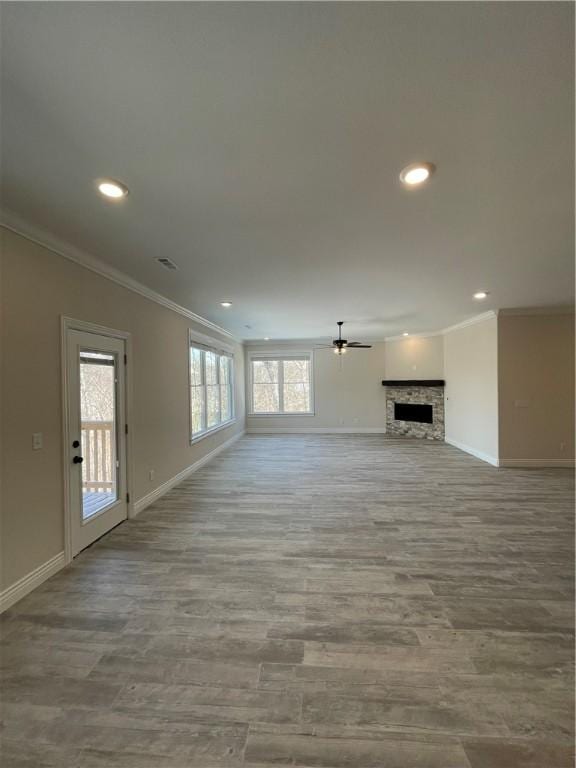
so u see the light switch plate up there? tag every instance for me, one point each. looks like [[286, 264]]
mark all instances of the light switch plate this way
[[37, 441]]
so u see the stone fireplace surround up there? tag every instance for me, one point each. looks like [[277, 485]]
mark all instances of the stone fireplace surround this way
[[428, 392]]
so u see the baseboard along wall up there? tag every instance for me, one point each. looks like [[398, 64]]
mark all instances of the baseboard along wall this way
[[316, 430], [512, 463], [537, 463], [35, 578], [39, 575], [161, 490], [27, 583], [472, 451]]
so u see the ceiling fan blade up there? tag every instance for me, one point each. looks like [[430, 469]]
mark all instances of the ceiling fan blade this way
[[359, 346]]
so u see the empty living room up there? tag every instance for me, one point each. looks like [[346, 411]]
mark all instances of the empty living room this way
[[287, 384]]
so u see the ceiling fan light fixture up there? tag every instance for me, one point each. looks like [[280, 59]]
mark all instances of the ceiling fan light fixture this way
[[340, 346]]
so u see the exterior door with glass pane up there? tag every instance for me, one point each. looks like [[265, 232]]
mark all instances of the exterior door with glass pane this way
[[97, 435]]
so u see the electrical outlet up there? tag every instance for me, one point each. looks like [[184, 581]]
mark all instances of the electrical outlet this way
[[151, 474], [562, 446], [37, 441], [341, 420]]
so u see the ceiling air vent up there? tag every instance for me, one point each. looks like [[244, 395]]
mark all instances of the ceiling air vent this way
[[168, 263]]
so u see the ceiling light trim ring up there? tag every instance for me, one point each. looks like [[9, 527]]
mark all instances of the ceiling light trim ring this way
[[112, 189], [415, 174]]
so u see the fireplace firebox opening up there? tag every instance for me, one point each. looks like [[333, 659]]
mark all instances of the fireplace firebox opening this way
[[419, 412]]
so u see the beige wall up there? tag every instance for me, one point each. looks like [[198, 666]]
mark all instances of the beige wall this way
[[471, 373], [38, 287], [417, 357], [348, 392], [536, 372]]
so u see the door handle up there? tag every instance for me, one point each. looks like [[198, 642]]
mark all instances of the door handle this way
[[78, 459]]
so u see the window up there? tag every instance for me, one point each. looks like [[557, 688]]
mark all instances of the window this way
[[281, 384], [211, 389]]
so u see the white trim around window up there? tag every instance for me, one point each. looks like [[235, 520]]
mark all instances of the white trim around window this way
[[210, 386], [281, 357]]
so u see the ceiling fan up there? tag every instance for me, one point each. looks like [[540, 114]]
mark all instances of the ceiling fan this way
[[341, 346]]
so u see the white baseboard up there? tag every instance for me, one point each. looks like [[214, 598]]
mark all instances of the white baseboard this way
[[511, 463], [27, 583], [473, 452], [316, 430], [154, 495], [537, 463], [32, 580]]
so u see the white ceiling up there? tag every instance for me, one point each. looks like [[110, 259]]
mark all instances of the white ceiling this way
[[262, 144]]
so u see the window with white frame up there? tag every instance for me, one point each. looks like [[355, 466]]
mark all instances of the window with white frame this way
[[211, 389], [281, 384]]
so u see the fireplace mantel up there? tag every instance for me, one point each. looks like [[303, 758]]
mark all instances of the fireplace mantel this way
[[413, 382]]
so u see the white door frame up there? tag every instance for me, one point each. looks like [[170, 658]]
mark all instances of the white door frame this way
[[70, 324]]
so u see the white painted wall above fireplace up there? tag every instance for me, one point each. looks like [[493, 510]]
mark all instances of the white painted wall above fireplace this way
[[416, 357]]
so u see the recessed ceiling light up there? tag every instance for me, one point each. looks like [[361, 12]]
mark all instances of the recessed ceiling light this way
[[417, 173], [112, 189], [481, 295], [405, 333], [226, 304], [266, 338]]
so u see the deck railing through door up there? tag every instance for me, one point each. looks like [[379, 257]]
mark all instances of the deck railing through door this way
[[99, 452]]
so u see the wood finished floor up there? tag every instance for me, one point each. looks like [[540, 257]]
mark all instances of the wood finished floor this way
[[328, 601]]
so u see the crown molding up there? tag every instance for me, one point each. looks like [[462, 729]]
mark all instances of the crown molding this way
[[209, 341], [284, 343], [490, 315], [526, 311], [300, 344], [11, 221], [426, 335], [42, 237]]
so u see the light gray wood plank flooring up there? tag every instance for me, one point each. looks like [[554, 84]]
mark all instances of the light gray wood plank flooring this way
[[329, 601]]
